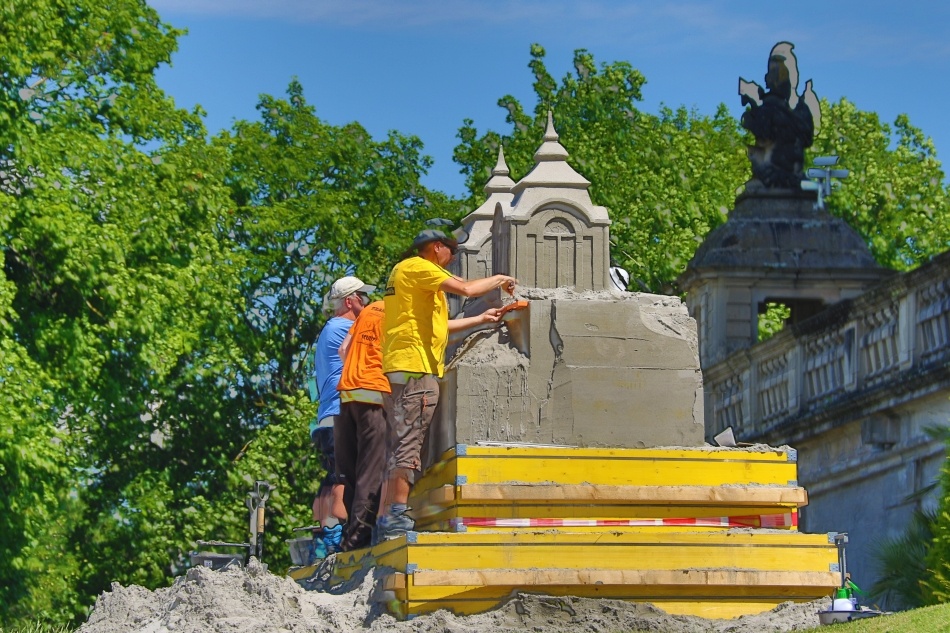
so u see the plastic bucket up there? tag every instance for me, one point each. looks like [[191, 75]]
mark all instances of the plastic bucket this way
[[300, 550]]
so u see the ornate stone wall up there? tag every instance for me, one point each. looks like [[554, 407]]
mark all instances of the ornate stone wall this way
[[854, 390]]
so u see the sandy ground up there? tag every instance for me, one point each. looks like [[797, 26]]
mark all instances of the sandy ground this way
[[255, 600]]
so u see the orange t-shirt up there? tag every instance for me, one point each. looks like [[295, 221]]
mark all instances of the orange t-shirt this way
[[363, 365]]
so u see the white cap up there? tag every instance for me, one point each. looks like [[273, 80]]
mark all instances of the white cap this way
[[345, 286]]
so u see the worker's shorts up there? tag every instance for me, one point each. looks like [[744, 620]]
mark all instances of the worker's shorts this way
[[409, 411], [322, 439]]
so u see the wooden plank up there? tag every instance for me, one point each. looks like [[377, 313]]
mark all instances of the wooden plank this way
[[724, 580], [623, 592], [707, 453], [392, 554], [634, 535], [709, 601], [626, 556], [605, 511], [765, 550], [495, 518], [441, 473], [301, 573], [739, 495], [659, 529], [425, 502], [625, 472], [394, 581]]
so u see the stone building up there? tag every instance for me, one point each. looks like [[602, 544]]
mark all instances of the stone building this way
[[853, 381]]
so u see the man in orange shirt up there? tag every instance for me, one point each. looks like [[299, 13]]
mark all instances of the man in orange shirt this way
[[360, 431]]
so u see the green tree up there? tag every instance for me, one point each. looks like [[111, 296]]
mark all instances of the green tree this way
[[116, 302], [667, 179], [311, 202], [901, 564], [895, 196]]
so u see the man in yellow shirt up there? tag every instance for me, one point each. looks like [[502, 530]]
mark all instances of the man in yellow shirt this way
[[416, 332]]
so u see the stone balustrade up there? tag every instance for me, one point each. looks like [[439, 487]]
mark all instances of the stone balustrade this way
[[885, 347]]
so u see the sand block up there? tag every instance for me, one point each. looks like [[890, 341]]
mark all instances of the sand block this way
[[577, 369]]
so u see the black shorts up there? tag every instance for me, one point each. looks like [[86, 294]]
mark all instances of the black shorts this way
[[322, 439]]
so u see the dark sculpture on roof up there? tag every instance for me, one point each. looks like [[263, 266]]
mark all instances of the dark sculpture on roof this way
[[783, 122]]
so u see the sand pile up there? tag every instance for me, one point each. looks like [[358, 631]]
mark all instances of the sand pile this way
[[255, 600]]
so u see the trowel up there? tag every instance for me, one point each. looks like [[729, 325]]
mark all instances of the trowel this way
[[514, 317]]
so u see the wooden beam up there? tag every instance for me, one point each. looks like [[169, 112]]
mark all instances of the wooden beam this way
[[705, 453], [825, 582], [738, 495], [628, 549], [625, 471], [394, 581], [633, 535]]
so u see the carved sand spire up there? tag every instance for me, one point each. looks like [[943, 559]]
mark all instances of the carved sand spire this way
[[551, 168], [500, 182], [475, 246]]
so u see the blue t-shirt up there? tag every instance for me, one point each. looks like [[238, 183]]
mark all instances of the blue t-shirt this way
[[329, 366]]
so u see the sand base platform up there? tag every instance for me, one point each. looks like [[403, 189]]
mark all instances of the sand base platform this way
[[696, 531]]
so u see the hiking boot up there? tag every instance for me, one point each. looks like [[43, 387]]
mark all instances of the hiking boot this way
[[318, 549], [393, 525], [332, 537]]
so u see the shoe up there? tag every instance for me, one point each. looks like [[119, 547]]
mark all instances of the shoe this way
[[332, 537], [390, 526], [318, 549]]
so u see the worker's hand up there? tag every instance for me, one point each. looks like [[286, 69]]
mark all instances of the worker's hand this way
[[507, 283], [491, 315]]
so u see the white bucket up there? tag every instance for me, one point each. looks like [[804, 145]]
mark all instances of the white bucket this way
[[300, 550]]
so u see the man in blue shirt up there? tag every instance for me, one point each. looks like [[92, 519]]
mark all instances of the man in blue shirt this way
[[347, 298]]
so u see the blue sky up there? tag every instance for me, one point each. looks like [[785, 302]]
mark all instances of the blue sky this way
[[422, 67]]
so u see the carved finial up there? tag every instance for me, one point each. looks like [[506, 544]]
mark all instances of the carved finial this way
[[549, 133], [501, 167], [550, 149], [499, 181]]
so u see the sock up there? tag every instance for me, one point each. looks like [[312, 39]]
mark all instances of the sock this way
[[331, 522], [397, 509]]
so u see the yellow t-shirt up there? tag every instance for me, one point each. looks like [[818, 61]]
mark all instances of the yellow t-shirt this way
[[417, 318]]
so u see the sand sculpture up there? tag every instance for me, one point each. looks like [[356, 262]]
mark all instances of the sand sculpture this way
[[568, 458], [585, 365]]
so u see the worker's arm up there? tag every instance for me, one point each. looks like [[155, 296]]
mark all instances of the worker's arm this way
[[345, 345], [491, 315], [478, 287]]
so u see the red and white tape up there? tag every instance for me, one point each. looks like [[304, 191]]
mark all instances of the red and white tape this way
[[785, 520]]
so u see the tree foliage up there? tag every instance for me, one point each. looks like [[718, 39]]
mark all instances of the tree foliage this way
[[901, 564], [311, 202], [158, 294], [668, 179], [159, 290], [113, 288], [895, 196]]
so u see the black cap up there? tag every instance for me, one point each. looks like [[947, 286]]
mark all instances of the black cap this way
[[434, 235]]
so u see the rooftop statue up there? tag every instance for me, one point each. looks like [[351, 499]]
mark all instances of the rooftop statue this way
[[783, 122]]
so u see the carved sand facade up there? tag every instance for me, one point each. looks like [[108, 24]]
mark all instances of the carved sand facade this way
[[584, 365]]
